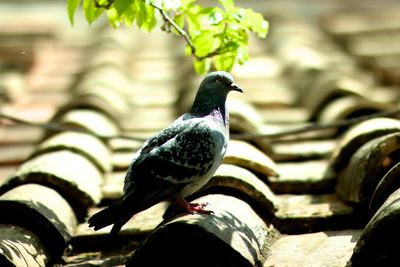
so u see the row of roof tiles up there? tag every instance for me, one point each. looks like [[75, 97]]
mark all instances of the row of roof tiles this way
[[268, 194]]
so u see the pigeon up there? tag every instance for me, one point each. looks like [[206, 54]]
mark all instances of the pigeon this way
[[178, 160]]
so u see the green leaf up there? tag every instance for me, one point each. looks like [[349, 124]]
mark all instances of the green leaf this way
[[228, 5], [242, 54], [151, 20], [113, 17], [216, 16], [145, 16], [205, 43], [72, 6], [202, 66], [179, 20], [188, 51], [262, 29], [130, 14], [122, 5], [193, 19], [167, 5], [255, 22], [218, 33], [225, 61], [238, 15], [91, 12], [236, 35], [186, 3], [141, 14]]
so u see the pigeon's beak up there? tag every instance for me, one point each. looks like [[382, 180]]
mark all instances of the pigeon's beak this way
[[235, 87]]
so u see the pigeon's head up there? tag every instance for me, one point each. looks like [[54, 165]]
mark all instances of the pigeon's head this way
[[212, 94], [220, 82]]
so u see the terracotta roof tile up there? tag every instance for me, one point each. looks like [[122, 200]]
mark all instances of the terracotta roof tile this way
[[321, 198]]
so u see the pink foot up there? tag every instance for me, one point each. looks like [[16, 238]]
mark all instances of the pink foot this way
[[193, 207]]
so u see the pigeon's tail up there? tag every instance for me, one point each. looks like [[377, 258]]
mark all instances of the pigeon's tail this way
[[104, 217], [113, 214]]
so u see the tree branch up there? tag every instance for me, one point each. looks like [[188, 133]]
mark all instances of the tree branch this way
[[244, 136], [61, 128], [106, 6], [317, 127], [181, 32], [167, 20]]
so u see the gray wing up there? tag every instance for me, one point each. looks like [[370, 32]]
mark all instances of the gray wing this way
[[174, 158], [153, 143]]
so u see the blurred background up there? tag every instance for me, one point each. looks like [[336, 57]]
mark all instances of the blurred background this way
[[322, 61]]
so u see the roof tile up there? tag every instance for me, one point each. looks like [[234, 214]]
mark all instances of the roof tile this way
[[71, 174], [126, 85], [44, 212]]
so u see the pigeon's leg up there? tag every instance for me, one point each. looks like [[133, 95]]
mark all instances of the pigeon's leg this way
[[181, 206], [193, 207]]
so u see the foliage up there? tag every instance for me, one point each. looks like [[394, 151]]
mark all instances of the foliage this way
[[216, 37]]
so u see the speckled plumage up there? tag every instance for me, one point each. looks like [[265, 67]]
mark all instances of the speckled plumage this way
[[178, 160]]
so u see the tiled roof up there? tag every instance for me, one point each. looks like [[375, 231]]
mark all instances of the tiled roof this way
[[320, 198]]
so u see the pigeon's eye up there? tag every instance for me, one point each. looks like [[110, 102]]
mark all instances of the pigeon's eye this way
[[219, 80]]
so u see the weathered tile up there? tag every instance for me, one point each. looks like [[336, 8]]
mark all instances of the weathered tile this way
[[126, 145], [36, 112], [367, 166], [347, 107], [307, 213], [259, 66], [248, 156], [234, 234], [243, 117], [375, 45], [12, 86], [44, 212], [301, 150], [359, 135], [389, 184], [86, 145], [109, 53], [296, 65], [303, 177], [149, 118], [328, 248], [362, 21], [135, 229], [11, 56], [121, 160], [283, 115], [375, 246], [99, 97], [89, 120], [230, 176], [19, 134], [108, 75], [15, 154], [280, 94], [71, 174], [55, 83], [40, 97], [113, 185], [277, 133], [57, 60], [21, 247], [152, 97], [331, 85], [6, 171], [116, 257]]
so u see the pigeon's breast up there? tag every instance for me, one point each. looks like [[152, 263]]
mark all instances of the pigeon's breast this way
[[205, 151]]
